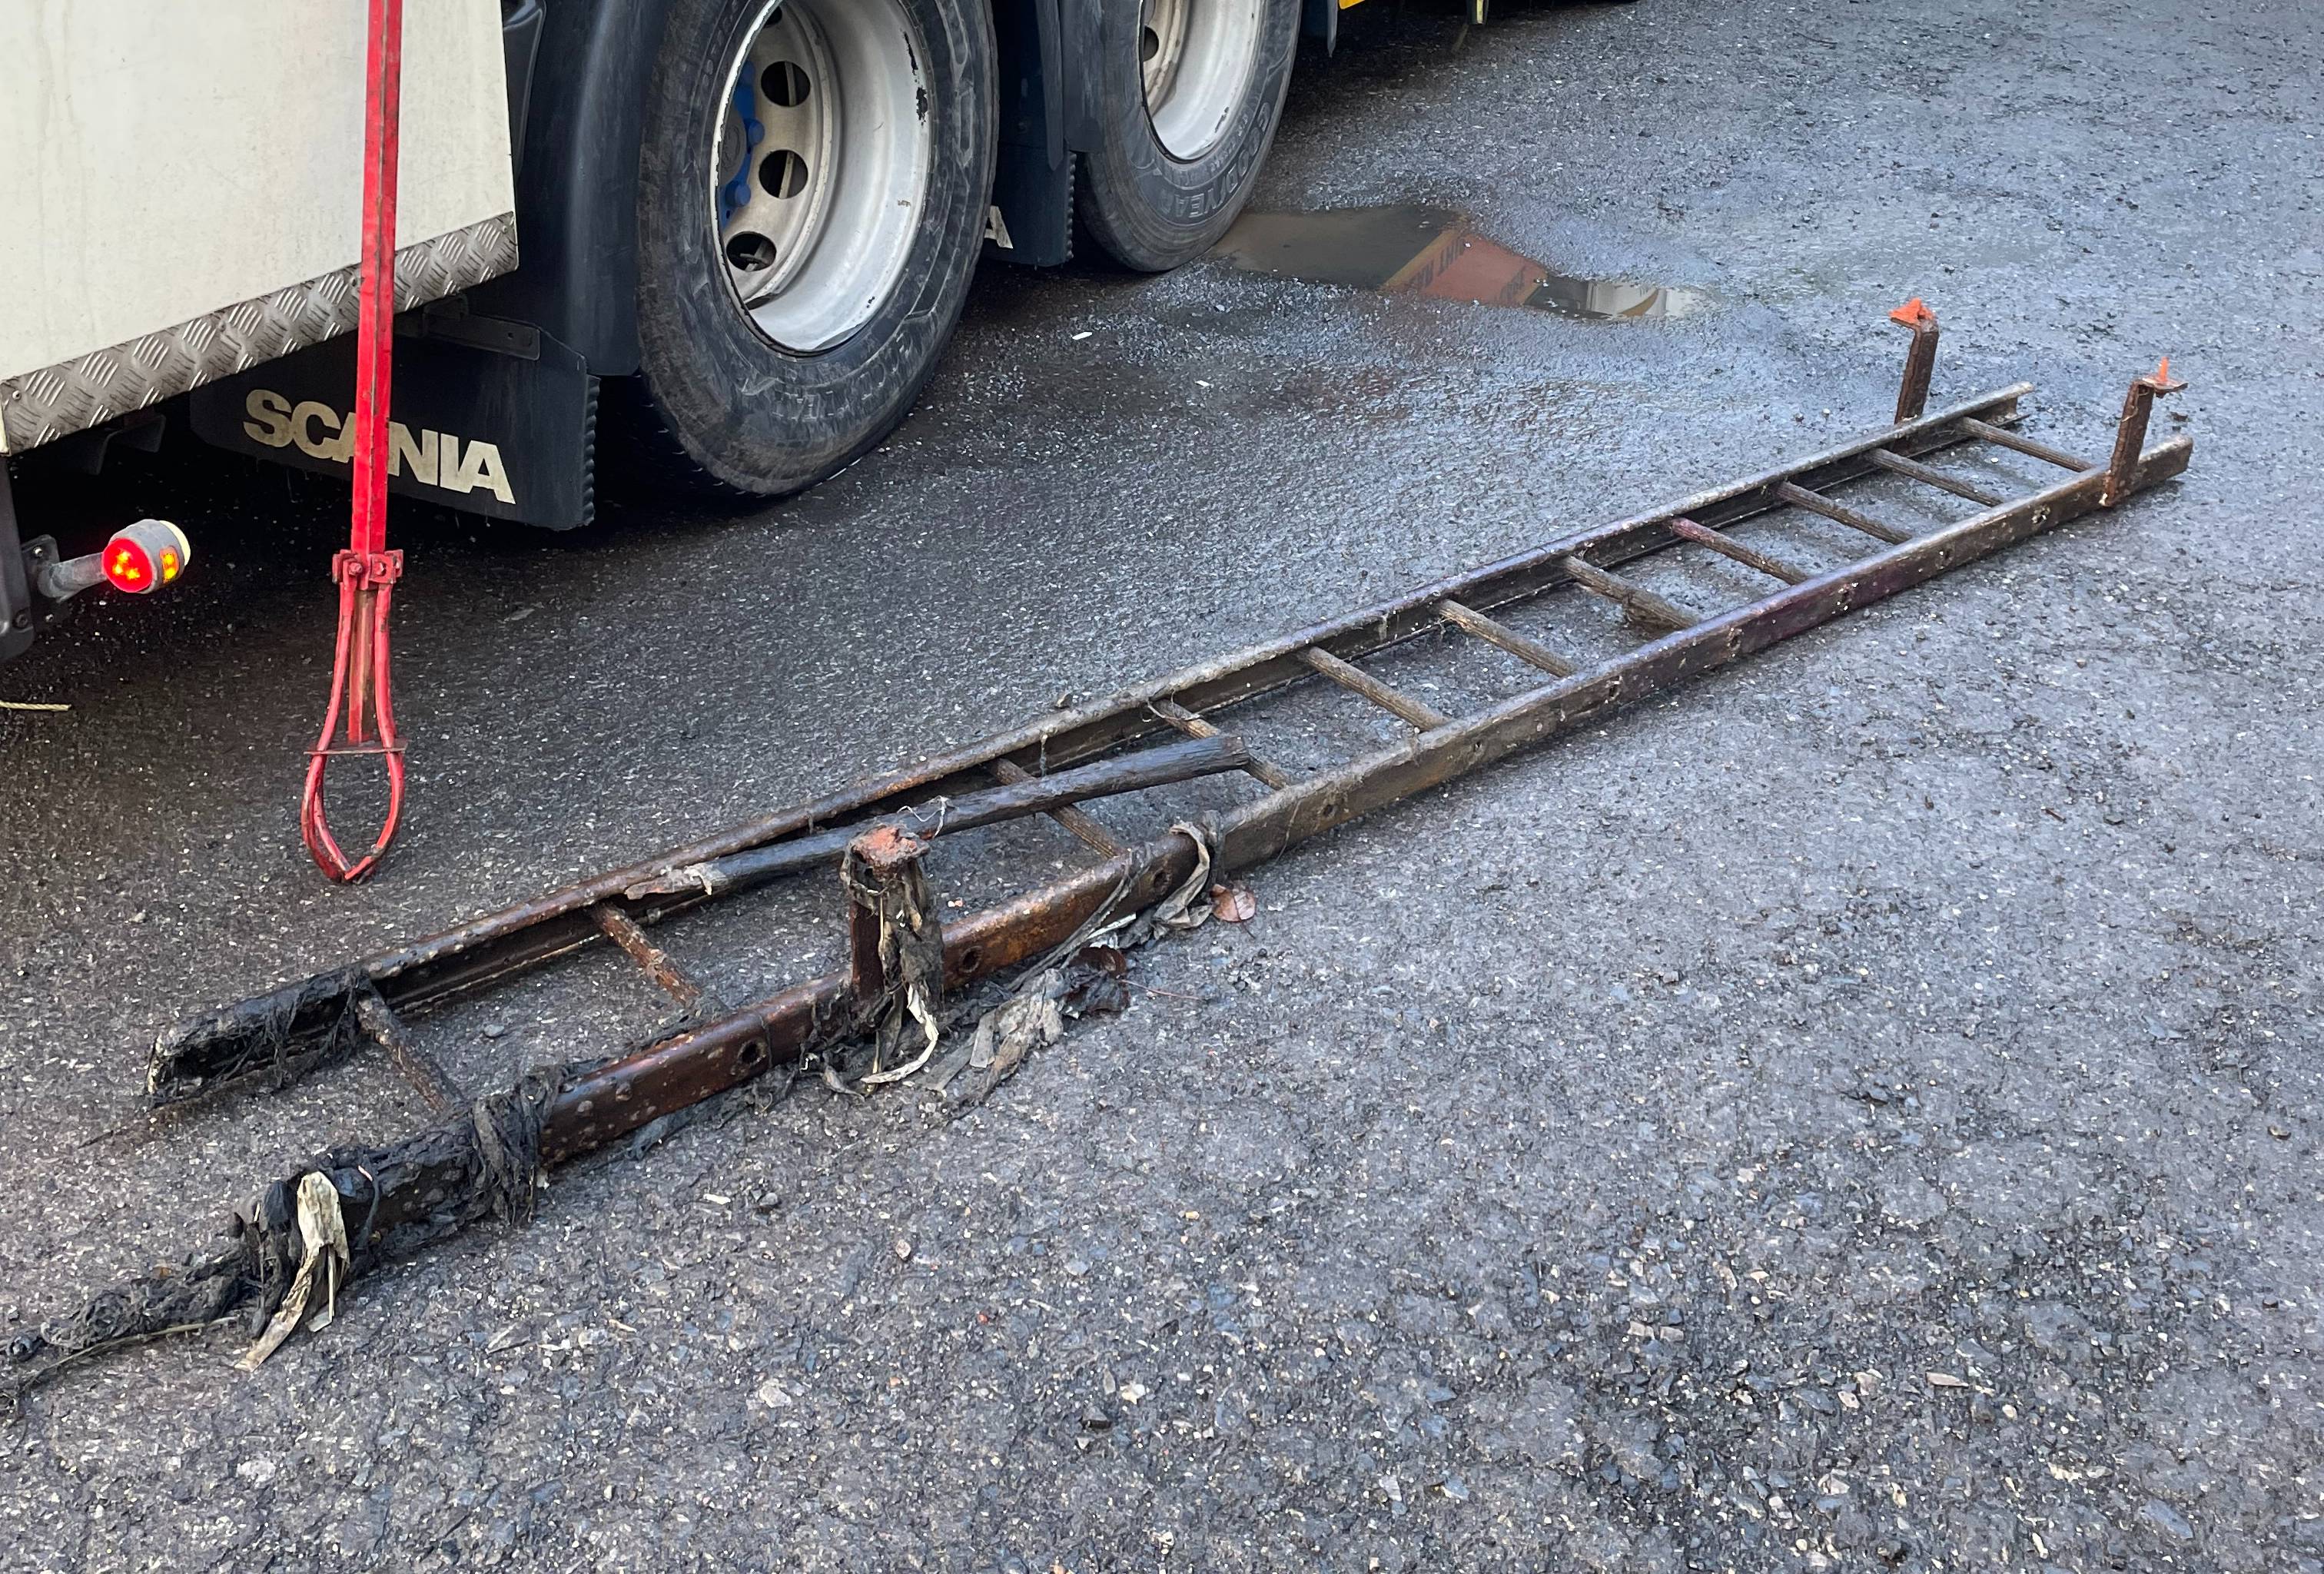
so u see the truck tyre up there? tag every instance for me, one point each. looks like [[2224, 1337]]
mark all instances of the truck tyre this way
[[813, 177], [1188, 97]]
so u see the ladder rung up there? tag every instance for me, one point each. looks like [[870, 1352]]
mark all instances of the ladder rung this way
[[623, 931], [1194, 726], [1914, 470], [2006, 438], [1356, 680], [434, 1085], [1816, 502], [1506, 638], [1643, 605], [1071, 817], [1727, 547]]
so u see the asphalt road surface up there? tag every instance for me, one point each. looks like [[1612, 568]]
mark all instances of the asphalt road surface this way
[[1860, 1111]]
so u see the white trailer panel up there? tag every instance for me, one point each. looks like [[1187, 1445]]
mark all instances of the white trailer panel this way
[[182, 189]]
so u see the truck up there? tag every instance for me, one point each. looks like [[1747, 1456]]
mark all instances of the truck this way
[[718, 243]]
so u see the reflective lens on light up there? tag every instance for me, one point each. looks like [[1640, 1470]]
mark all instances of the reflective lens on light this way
[[127, 567]]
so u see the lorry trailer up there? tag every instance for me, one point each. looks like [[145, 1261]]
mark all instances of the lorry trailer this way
[[724, 240]]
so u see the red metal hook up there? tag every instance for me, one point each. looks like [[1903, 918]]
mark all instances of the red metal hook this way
[[367, 572], [359, 678]]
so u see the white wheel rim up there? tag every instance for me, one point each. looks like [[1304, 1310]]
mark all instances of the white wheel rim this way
[[1195, 58], [815, 212]]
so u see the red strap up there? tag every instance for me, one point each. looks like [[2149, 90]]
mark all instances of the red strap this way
[[367, 572]]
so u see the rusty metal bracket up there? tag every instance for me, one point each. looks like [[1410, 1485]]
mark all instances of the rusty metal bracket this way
[[2130, 431], [885, 887], [895, 948], [1920, 361]]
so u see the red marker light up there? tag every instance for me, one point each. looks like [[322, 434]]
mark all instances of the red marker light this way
[[127, 566], [146, 555]]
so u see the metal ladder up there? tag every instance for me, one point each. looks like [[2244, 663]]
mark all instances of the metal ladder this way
[[274, 1038], [486, 1157]]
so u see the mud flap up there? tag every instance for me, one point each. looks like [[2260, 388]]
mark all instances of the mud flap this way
[[490, 416], [1320, 20], [1030, 219]]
